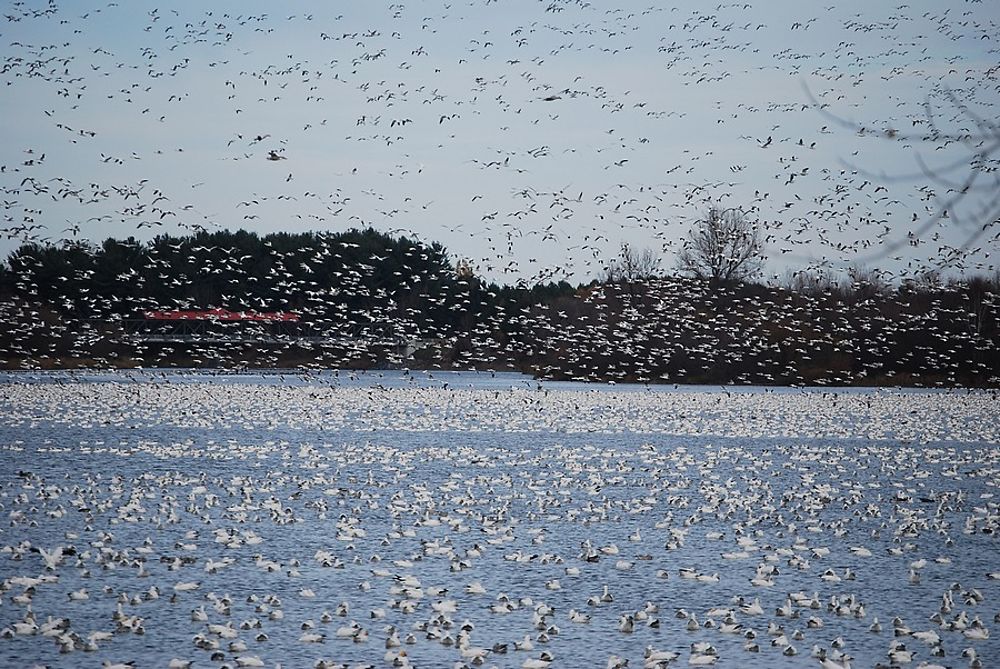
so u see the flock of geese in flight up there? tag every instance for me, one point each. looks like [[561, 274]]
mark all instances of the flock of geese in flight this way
[[533, 141], [524, 141]]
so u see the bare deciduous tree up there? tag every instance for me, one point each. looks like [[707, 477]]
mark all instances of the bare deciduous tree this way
[[725, 246], [631, 266], [867, 283], [809, 281]]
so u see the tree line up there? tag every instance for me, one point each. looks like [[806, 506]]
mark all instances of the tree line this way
[[709, 322]]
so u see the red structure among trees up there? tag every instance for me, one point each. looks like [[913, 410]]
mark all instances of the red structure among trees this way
[[221, 315]]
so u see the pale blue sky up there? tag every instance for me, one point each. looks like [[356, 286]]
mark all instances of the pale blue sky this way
[[432, 118]]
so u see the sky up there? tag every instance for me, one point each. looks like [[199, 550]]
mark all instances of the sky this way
[[532, 139]]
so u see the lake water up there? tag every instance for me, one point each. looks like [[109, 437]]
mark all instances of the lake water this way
[[472, 510]]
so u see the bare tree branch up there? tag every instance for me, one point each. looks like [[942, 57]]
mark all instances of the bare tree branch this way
[[981, 177]]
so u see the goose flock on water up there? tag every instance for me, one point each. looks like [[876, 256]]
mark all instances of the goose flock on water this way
[[202, 521]]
